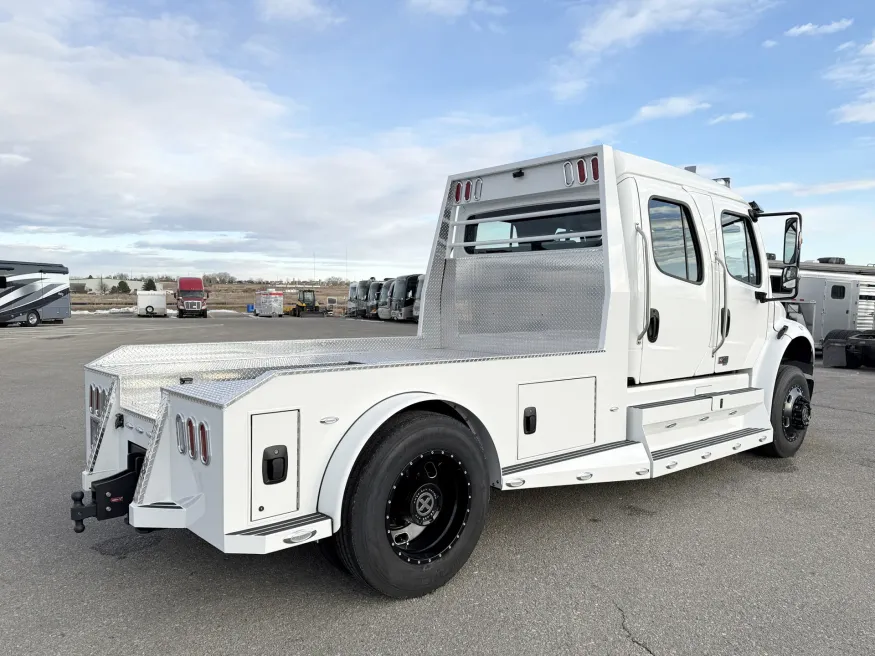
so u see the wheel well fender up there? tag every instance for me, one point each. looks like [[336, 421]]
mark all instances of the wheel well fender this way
[[795, 347], [340, 465]]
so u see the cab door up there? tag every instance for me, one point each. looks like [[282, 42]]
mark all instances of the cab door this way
[[676, 328], [742, 317]]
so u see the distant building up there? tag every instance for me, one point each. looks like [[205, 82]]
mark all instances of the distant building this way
[[92, 285]]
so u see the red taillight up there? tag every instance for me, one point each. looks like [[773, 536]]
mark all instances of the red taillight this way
[[467, 190], [458, 192], [205, 443], [595, 168], [581, 171], [192, 440]]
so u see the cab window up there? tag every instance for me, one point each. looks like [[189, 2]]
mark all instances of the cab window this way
[[675, 245], [740, 249]]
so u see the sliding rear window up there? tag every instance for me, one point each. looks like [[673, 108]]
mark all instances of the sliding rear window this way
[[556, 226]]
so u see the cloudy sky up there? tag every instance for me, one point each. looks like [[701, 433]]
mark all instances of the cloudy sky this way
[[254, 136]]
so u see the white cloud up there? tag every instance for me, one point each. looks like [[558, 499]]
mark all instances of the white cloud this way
[[13, 159], [673, 107], [810, 29], [456, 8], [856, 72], [769, 43], [315, 12], [729, 118], [611, 25], [623, 23], [847, 45]]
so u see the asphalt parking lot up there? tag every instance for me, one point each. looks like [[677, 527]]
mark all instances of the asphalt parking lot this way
[[741, 556]]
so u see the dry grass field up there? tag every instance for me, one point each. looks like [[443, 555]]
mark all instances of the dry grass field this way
[[222, 297]]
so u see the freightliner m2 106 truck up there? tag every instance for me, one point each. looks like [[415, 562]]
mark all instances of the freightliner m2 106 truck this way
[[587, 317]]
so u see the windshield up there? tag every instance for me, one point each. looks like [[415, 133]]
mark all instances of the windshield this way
[[400, 288], [384, 293], [374, 291], [190, 293], [363, 289], [419, 285], [309, 297]]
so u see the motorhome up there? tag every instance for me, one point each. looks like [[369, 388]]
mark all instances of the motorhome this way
[[352, 300], [361, 297], [417, 299], [34, 292], [373, 299], [384, 309], [403, 297], [589, 317], [151, 304]]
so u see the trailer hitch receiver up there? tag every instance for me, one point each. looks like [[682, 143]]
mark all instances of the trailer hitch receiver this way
[[110, 497]]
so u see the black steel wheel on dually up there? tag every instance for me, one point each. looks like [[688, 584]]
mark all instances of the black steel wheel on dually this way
[[415, 505], [791, 413]]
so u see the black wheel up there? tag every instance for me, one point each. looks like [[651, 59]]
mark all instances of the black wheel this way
[[415, 505], [205, 314], [791, 413], [32, 319]]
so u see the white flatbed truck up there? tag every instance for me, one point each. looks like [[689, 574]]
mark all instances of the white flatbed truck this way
[[587, 317]]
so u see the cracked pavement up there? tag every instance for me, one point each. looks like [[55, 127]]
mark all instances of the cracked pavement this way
[[742, 556]]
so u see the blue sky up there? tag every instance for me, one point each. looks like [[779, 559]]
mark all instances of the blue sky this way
[[255, 136]]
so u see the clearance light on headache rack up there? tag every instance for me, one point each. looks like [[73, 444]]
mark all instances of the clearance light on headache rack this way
[[204, 435], [583, 174], [468, 190]]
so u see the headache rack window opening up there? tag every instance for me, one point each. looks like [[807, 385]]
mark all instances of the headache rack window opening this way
[[528, 215], [533, 228], [559, 236]]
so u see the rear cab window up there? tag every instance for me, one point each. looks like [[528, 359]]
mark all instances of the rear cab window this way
[[557, 226], [676, 250]]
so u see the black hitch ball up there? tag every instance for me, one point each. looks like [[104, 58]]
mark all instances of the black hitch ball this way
[[78, 524]]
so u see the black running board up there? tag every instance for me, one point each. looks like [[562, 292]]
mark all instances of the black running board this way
[[701, 444], [552, 460]]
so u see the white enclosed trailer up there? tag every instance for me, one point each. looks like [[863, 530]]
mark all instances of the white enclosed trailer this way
[[836, 296], [151, 304], [587, 317], [269, 303]]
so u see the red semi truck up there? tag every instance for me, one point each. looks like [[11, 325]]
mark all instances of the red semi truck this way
[[191, 298]]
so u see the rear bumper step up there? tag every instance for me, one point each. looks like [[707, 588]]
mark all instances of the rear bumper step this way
[[701, 444], [279, 535]]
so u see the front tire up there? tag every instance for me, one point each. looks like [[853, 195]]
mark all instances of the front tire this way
[[32, 320], [791, 412], [434, 471]]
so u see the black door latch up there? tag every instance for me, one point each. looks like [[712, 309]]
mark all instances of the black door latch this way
[[530, 420], [275, 465]]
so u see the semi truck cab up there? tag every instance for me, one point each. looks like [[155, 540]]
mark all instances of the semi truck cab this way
[[191, 298]]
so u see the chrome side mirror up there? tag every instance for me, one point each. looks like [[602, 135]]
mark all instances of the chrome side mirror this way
[[792, 236], [789, 278]]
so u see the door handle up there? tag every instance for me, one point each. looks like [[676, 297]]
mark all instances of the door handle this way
[[725, 321], [530, 420], [653, 326]]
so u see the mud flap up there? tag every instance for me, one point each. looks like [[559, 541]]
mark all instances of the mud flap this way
[[835, 353]]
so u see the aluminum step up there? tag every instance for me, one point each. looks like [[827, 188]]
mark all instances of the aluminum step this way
[[284, 534], [690, 454]]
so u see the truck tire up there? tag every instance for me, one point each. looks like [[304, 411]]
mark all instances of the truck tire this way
[[430, 468], [179, 314], [205, 314], [32, 320], [791, 412]]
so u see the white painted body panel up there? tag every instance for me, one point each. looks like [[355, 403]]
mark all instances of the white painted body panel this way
[[157, 301], [323, 400]]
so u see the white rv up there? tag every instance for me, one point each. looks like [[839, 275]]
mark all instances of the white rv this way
[[269, 303], [33, 292], [151, 304], [587, 317]]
